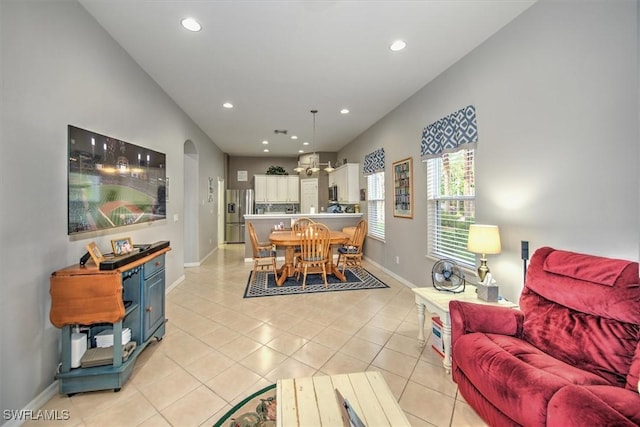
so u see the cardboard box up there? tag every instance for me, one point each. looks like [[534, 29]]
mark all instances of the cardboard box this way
[[436, 336]]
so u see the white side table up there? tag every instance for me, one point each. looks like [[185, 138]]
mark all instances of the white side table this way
[[437, 302]]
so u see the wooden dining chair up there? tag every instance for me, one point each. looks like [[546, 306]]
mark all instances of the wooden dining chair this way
[[299, 226], [351, 253], [264, 256], [315, 245]]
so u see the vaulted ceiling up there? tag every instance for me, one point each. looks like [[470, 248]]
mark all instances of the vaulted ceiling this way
[[276, 60]]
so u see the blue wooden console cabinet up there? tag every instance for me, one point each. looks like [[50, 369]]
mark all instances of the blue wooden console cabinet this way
[[142, 285]]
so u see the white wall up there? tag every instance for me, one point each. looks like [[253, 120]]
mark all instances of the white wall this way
[[58, 68], [556, 93]]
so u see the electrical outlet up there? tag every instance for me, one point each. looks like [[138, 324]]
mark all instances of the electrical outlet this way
[[397, 260]]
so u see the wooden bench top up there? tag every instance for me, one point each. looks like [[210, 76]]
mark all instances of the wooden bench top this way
[[312, 401]]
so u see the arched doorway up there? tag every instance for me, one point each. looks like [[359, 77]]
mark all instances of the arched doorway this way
[[190, 204]]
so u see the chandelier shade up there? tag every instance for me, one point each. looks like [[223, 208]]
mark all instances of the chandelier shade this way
[[313, 163]]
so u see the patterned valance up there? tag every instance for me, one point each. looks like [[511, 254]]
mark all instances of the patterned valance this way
[[451, 133], [373, 162]]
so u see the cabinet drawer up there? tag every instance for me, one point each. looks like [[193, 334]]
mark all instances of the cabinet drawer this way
[[153, 266]]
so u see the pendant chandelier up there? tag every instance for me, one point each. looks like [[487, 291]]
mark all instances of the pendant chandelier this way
[[313, 164]]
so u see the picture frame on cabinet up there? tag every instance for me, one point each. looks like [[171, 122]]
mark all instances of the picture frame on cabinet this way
[[122, 246], [95, 253], [403, 188]]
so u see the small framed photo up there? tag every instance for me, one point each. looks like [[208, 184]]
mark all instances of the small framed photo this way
[[95, 253], [122, 246]]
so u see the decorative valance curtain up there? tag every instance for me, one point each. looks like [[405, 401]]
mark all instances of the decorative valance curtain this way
[[373, 162], [456, 131]]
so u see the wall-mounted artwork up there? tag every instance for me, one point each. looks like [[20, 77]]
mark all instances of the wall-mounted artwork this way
[[112, 183], [210, 199], [403, 188]]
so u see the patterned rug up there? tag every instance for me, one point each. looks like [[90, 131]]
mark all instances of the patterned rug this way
[[257, 410], [265, 284]]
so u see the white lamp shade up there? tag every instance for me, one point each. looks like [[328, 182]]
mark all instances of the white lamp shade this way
[[484, 239]]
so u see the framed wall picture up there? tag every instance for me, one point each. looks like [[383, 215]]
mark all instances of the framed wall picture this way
[[403, 188], [95, 253], [122, 246]]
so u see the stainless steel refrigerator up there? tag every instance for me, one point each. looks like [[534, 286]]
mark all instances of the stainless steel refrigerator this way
[[238, 204]]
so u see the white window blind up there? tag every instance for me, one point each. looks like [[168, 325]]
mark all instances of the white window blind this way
[[451, 205], [375, 205]]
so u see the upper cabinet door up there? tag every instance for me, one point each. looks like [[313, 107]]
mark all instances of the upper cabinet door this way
[[347, 178], [293, 188], [260, 184]]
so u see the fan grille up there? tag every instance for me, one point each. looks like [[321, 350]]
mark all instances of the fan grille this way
[[447, 276]]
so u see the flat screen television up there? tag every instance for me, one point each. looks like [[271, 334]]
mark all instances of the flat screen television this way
[[112, 183]]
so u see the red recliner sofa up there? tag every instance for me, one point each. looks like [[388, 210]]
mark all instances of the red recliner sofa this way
[[570, 356]]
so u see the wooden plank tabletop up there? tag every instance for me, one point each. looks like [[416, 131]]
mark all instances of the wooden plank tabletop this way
[[312, 401]]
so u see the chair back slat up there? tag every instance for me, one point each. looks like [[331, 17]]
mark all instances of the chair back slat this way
[[359, 235], [315, 242], [254, 239], [301, 223]]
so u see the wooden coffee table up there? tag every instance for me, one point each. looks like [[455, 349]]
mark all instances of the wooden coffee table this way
[[312, 401]]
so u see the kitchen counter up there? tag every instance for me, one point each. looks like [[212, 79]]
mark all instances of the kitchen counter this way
[[264, 223], [321, 215]]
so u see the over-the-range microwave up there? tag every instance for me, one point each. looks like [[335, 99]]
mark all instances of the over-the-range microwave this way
[[333, 193]]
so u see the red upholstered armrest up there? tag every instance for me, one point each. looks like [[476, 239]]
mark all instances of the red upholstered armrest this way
[[593, 406], [468, 317]]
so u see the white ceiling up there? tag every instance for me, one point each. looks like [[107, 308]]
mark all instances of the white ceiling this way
[[276, 60]]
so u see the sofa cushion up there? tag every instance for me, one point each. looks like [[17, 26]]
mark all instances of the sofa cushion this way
[[603, 271], [593, 406], [601, 346], [502, 367], [585, 324], [620, 302]]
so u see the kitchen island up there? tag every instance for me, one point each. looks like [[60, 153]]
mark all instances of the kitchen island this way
[[264, 223]]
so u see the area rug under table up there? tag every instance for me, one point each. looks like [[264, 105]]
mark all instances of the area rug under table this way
[[265, 283], [257, 410]]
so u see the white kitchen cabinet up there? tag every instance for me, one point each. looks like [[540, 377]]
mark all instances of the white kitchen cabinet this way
[[293, 189], [277, 188], [260, 184], [347, 178], [272, 189]]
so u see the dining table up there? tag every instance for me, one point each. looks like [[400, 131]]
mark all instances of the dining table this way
[[289, 240]]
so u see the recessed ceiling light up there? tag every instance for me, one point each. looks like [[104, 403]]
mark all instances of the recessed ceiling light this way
[[227, 105], [191, 24], [305, 143], [294, 137], [266, 150], [344, 111], [265, 142], [300, 151], [397, 45]]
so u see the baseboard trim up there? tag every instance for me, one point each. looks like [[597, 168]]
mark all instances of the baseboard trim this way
[[400, 279], [32, 407], [174, 284], [199, 263]]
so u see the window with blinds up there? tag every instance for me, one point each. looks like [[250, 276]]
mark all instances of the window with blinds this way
[[375, 205], [451, 205]]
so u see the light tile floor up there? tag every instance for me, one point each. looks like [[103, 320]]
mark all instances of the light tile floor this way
[[220, 347]]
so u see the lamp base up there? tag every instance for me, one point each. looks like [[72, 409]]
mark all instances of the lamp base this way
[[483, 269]]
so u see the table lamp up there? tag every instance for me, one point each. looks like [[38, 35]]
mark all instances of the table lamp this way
[[484, 239]]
